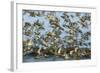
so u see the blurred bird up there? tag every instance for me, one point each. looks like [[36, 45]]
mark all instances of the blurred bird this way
[[39, 51], [28, 33], [59, 51], [72, 16], [49, 33], [66, 56], [26, 25], [29, 42], [43, 42], [54, 21], [51, 17], [27, 46], [66, 19], [35, 13], [82, 23], [78, 14]]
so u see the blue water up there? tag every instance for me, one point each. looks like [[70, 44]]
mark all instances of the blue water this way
[[30, 58], [33, 59]]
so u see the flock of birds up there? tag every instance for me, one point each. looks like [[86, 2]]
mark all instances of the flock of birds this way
[[67, 54]]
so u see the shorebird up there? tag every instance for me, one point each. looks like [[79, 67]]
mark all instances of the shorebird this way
[[27, 46], [71, 52], [29, 43], [66, 56], [76, 49], [75, 53], [39, 51], [59, 51], [54, 21]]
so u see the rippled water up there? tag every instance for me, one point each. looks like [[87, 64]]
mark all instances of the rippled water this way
[[34, 59], [30, 58]]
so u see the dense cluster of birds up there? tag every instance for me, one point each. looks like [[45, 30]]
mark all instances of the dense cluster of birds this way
[[71, 52], [67, 53]]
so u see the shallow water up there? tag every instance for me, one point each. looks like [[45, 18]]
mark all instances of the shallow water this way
[[34, 59], [29, 58]]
